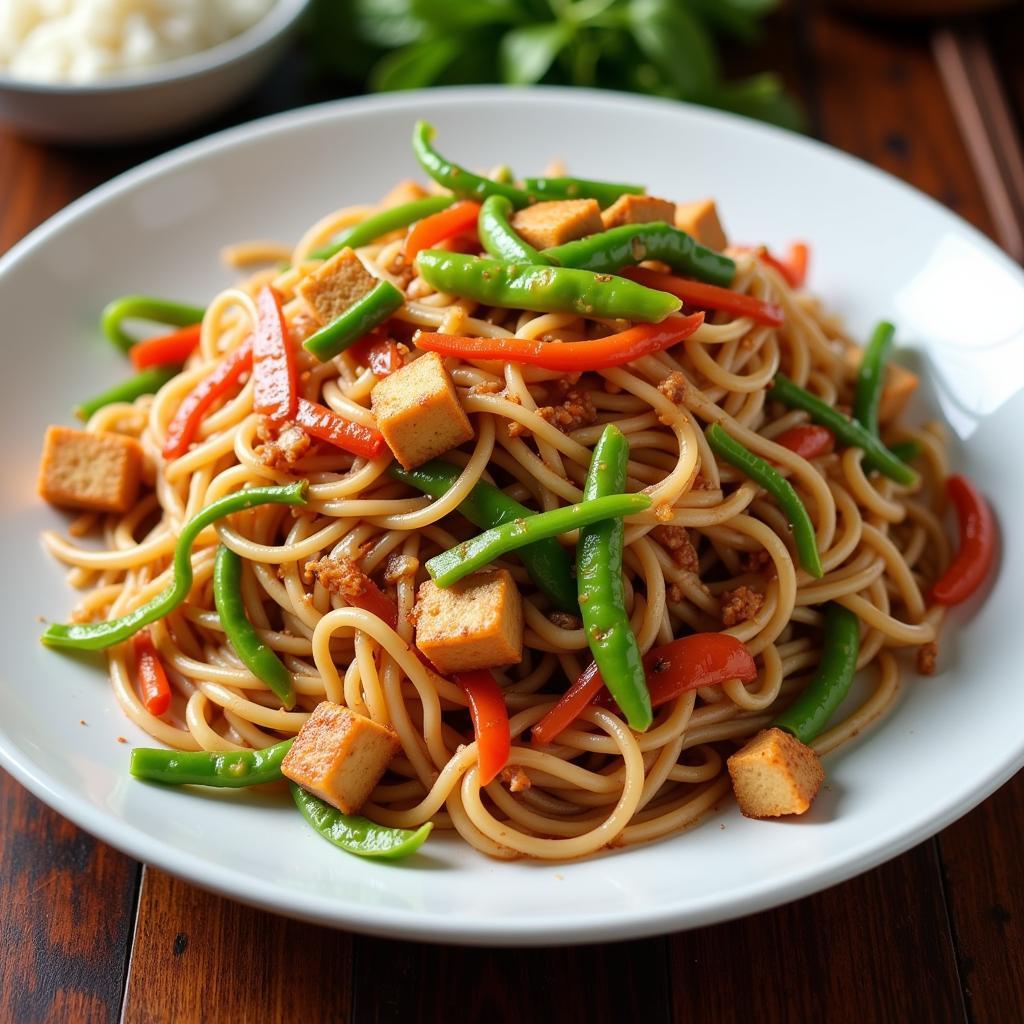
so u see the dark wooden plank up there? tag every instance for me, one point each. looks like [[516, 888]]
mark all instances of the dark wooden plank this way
[[873, 949], [66, 923], [200, 957], [401, 982]]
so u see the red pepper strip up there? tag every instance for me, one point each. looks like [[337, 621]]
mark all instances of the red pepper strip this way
[[568, 356], [703, 659], [275, 386], [426, 233], [709, 296], [809, 440], [361, 592], [490, 721], [181, 431], [378, 352], [175, 347], [326, 425], [977, 551], [797, 259], [153, 684]]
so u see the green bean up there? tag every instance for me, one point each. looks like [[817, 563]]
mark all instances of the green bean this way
[[145, 307], [599, 584], [605, 192], [485, 506], [362, 316], [808, 715], [543, 289], [499, 238], [358, 835], [145, 382], [871, 377], [452, 565], [630, 244], [228, 769], [767, 476], [457, 179], [383, 223], [254, 654], [907, 451], [97, 636], [848, 431]]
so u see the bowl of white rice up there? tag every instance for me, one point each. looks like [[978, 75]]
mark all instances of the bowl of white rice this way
[[103, 71]]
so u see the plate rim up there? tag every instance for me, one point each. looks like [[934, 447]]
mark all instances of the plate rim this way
[[388, 921]]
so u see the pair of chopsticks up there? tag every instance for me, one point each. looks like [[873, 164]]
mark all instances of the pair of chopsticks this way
[[986, 123]]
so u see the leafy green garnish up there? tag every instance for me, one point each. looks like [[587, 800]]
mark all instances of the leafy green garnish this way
[[663, 47]]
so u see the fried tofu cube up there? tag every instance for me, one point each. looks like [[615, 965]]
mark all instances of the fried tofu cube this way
[[630, 209], [775, 774], [418, 411], [92, 470], [546, 224], [335, 285], [898, 385], [340, 756], [475, 623], [700, 220], [404, 192]]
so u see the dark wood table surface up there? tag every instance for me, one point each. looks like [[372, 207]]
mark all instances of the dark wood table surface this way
[[86, 934]]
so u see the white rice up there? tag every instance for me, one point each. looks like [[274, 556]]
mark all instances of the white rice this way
[[83, 40]]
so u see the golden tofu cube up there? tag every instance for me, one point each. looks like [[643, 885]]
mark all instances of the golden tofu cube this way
[[340, 756], [546, 224], [475, 623], [335, 285], [92, 470], [700, 220], [775, 774], [418, 411], [629, 209]]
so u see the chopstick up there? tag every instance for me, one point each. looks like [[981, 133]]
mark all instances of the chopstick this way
[[983, 114]]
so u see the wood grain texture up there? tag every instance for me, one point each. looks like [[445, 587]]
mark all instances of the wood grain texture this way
[[66, 918], [199, 957]]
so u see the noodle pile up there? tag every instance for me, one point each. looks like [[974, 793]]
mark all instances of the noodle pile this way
[[881, 545]]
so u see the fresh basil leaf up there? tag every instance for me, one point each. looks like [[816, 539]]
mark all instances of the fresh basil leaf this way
[[415, 66], [528, 52], [386, 23], [451, 15], [676, 43], [739, 18]]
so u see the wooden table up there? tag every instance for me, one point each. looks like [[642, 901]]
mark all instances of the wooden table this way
[[935, 935]]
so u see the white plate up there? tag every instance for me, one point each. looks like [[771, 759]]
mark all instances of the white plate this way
[[879, 249]]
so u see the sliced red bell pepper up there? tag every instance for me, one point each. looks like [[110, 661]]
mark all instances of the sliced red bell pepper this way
[[709, 296], [378, 352], [361, 592], [489, 714], [326, 425], [703, 659], [426, 233], [165, 349], [808, 440], [154, 688], [275, 383], [797, 260], [181, 431], [977, 551], [568, 356]]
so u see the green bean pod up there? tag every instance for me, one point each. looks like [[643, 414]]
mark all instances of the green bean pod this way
[[358, 835], [145, 382], [605, 192], [848, 431], [485, 506], [906, 451], [379, 224], [767, 476], [543, 289], [257, 657], [499, 238], [599, 584], [457, 179], [808, 715], [97, 636], [145, 307], [362, 316], [225, 769], [871, 377], [630, 244], [452, 565]]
